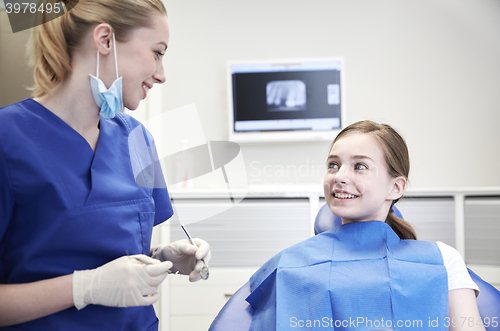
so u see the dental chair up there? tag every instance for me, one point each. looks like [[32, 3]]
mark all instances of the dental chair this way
[[236, 315]]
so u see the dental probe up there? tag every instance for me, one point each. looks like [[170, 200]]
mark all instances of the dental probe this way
[[204, 273]]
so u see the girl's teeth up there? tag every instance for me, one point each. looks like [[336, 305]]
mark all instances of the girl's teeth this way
[[344, 196]]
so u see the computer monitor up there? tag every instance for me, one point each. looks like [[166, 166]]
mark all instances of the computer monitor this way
[[285, 100]]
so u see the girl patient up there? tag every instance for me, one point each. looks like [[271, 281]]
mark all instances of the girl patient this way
[[370, 273]]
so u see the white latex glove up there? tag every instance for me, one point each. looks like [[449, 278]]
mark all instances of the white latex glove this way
[[128, 281], [185, 256]]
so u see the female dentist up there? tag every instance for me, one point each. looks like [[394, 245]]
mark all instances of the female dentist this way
[[75, 227]]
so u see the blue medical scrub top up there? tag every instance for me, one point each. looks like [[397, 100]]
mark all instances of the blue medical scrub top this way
[[65, 208]]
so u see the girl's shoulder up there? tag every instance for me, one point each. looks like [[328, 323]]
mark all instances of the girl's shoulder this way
[[449, 253], [458, 276]]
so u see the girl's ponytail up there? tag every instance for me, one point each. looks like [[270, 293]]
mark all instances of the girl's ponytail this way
[[402, 228]]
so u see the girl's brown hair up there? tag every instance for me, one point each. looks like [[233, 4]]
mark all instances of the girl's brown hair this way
[[52, 43], [397, 160]]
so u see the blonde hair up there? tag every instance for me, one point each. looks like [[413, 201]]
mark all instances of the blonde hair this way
[[398, 163], [52, 43]]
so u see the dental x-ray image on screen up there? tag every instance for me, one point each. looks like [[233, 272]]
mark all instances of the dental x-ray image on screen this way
[[276, 98], [286, 95]]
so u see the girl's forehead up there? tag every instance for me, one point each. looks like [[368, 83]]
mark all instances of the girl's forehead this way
[[357, 144]]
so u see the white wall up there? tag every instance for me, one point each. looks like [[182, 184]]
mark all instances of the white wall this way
[[430, 68]]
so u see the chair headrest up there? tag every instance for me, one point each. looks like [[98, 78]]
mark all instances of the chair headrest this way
[[325, 220]]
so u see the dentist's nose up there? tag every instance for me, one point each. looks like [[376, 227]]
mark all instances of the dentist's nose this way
[[159, 75]]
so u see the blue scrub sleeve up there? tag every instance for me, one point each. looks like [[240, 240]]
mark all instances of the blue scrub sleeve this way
[[6, 204], [163, 205], [146, 166]]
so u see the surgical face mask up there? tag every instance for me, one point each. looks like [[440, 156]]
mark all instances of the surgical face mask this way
[[110, 101]]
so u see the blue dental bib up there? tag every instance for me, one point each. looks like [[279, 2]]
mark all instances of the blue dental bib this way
[[358, 276]]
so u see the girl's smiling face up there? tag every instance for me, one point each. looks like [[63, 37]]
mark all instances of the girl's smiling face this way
[[140, 60], [357, 184]]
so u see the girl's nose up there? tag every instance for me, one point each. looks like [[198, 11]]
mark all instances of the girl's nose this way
[[342, 176]]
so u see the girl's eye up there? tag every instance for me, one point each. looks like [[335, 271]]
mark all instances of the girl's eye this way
[[333, 165], [360, 166]]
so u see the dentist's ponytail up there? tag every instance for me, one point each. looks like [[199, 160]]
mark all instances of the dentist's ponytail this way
[[398, 163]]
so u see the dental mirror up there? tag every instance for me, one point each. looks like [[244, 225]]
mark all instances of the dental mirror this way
[[204, 273]]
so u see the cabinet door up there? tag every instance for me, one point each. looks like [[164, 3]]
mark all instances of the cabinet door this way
[[482, 231], [432, 218], [241, 239], [248, 234]]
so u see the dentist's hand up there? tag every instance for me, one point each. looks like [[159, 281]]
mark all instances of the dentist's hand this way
[[125, 282], [185, 256]]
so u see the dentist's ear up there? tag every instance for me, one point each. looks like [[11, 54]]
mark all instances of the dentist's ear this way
[[398, 188], [103, 38]]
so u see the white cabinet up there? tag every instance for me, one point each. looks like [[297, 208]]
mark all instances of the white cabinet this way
[[193, 306], [482, 237], [482, 231], [432, 218], [243, 237], [248, 234]]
